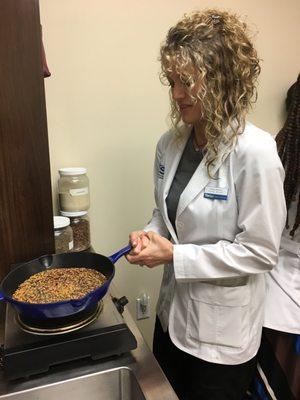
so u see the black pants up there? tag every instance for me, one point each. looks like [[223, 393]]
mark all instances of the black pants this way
[[195, 379]]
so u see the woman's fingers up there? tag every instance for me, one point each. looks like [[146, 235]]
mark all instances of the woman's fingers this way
[[151, 249], [138, 258], [138, 241], [145, 241], [134, 237], [133, 258], [135, 241]]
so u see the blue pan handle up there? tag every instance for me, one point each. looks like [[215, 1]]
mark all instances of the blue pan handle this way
[[1, 296], [114, 257]]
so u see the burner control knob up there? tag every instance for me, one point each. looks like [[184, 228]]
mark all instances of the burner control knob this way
[[120, 303]]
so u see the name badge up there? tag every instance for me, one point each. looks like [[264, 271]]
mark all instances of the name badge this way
[[216, 193]]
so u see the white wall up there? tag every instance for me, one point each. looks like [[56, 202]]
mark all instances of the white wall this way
[[106, 107]]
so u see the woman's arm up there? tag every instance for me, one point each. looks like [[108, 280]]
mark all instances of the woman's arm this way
[[157, 224], [137, 239]]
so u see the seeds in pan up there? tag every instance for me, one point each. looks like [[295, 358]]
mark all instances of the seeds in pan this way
[[59, 284]]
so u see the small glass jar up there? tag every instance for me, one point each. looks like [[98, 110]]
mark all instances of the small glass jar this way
[[63, 235], [73, 190], [80, 225]]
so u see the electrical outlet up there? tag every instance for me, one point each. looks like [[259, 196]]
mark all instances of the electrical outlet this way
[[143, 306]]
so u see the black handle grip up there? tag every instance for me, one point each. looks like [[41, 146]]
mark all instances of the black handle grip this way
[[120, 303]]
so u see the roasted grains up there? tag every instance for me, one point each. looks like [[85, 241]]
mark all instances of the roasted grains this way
[[81, 233], [59, 284]]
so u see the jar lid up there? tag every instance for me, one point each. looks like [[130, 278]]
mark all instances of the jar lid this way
[[73, 213], [72, 171], [60, 222]]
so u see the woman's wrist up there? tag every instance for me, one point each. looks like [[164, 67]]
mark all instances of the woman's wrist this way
[[170, 253]]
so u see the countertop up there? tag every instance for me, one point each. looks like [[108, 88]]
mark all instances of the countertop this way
[[141, 361]]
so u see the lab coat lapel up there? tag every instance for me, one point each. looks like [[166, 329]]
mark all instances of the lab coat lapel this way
[[173, 156], [200, 179]]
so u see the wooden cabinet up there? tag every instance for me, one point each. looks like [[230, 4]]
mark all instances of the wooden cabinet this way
[[26, 227]]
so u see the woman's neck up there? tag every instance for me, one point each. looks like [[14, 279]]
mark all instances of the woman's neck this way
[[199, 134]]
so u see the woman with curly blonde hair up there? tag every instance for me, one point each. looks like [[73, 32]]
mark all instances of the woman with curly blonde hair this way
[[220, 211]]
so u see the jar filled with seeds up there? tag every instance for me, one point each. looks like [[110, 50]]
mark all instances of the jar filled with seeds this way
[[80, 225], [73, 189], [63, 235]]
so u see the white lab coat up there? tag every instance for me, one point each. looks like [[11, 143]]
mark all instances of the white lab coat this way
[[212, 295], [282, 310]]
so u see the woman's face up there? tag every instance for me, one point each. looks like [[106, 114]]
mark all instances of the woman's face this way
[[190, 112]]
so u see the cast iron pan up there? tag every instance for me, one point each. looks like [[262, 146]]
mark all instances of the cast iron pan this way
[[60, 309]]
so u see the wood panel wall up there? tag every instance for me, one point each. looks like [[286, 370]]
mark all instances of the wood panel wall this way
[[26, 228]]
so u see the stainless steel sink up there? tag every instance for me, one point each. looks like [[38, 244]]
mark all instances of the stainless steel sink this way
[[114, 384]]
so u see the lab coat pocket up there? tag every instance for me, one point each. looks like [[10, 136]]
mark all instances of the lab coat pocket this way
[[219, 315]]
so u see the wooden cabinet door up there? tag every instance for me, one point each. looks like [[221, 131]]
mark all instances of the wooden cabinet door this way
[[26, 227]]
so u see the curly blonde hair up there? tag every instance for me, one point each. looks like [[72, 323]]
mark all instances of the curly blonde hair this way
[[213, 47]]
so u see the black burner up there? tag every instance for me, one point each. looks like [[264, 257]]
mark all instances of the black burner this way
[[27, 354]]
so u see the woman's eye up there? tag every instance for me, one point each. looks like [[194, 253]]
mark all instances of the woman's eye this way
[[186, 82], [170, 83]]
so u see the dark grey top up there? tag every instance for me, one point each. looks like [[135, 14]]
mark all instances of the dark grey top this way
[[188, 163]]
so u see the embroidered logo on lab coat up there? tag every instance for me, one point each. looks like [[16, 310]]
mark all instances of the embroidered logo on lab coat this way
[[161, 171]]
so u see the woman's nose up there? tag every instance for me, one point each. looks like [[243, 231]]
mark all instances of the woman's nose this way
[[178, 92]]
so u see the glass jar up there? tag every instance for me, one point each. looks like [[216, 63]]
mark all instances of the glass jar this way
[[63, 235], [73, 189], [80, 225]]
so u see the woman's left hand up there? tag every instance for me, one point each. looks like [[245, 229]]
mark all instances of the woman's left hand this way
[[158, 251]]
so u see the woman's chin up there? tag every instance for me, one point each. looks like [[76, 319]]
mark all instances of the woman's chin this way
[[186, 120]]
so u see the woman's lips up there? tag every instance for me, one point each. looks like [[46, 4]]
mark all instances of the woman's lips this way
[[183, 107]]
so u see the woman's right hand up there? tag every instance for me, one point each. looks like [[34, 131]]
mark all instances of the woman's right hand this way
[[138, 241]]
